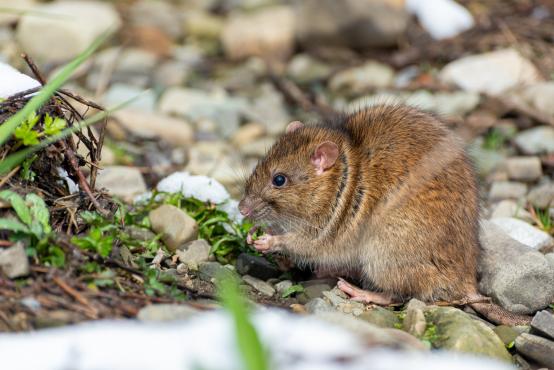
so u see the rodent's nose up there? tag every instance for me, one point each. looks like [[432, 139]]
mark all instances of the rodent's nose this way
[[244, 210]]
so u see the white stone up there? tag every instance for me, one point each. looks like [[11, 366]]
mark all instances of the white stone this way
[[14, 262], [121, 181], [492, 73], [65, 28], [173, 130], [510, 208], [523, 232], [11, 10], [14, 81], [524, 168], [540, 96], [441, 18], [136, 98], [360, 79], [507, 190], [536, 140]]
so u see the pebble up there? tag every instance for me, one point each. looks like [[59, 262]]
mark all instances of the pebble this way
[[519, 278], [134, 97], [257, 148], [175, 131], [171, 73], [14, 262], [312, 291], [158, 14], [540, 96], [537, 140], [380, 317], [194, 253], [211, 271], [415, 322], [536, 348], [8, 18], [282, 286], [335, 297], [268, 33], [176, 226], [203, 25], [543, 324], [247, 133], [491, 73], [524, 168], [256, 266], [318, 305], [457, 331], [269, 109], [50, 40], [510, 208], [303, 68], [260, 285], [121, 181], [542, 196], [507, 190], [524, 233], [166, 312], [363, 78]]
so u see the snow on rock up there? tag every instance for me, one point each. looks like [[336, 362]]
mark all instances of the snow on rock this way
[[14, 81], [441, 18], [206, 341], [202, 188]]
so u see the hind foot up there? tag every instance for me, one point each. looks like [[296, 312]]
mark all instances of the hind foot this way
[[360, 295]]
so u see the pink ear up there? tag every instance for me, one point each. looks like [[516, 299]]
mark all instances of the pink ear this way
[[293, 126], [325, 156]]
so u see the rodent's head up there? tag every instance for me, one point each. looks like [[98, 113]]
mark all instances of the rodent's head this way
[[295, 184]]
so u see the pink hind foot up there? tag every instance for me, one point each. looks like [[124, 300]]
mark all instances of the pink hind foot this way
[[357, 294]]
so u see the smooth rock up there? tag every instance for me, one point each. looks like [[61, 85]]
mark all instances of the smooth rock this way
[[175, 131], [139, 233], [256, 266], [507, 334], [359, 24], [491, 73], [312, 291], [257, 148], [14, 262], [543, 324], [282, 286], [7, 18], [335, 297], [415, 322], [539, 97], [121, 181], [166, 312], [65, 28], [203, 25], [318, 305], [159, 14], [268, 32], [171, 73], [457, 103], [363, 78], [537, 140], [542, 196], [457, 331], [507, 190], [212, 271], [486, 161], [120, 93], [269, 109], [260, 285], [524, 233], [524, 168], [303, 68], [518, 278], [247, 133], [194, 253], [380, 317], [175, 225], [536, 348], [510, 208]]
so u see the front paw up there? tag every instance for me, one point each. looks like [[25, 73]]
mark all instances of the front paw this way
[[266, 243]]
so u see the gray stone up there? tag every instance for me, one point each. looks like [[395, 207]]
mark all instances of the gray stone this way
[[260, 285], [175, 225], [315, 291], [268, 33], [139, 233], [282, 286], [318, 305], [48, 39], [175, 131], [537, 140], [550, 258], [542, 196], [14, 262], [257, 148], [363, 78], [536, 348], [485, 160], [350, 23], [335, 297], [524, 168], [380, 317], [212, 271], [517, 277], [121, 181], [269, 108], [415, 322], [256, 266], [194, 253], [507, 334], [543, 324], [507, 190], [166, 312], [492, 73], [120, 93], [524, 233], [457, 331], [303, 68], [351, 308], [171, 73], [157, 14], [510, 208], [540, 96]]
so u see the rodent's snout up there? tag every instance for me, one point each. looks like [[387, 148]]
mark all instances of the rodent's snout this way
[[244, 208]]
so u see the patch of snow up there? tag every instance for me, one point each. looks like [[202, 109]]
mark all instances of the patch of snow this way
[[441, 18], [14, 81], [206, 341], [203, 188], [231, 207], [71, 185]]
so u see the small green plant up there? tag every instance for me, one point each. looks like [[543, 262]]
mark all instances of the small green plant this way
[[254, 355], [293, 289], [430, 335], [543, 219], [494, 139]]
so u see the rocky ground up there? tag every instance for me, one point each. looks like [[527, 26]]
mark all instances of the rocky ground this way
[[222, 80]]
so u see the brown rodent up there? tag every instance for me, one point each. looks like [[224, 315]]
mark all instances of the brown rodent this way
[[387, 194]]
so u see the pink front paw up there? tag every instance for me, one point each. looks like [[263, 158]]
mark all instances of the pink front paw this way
[[266, 243]]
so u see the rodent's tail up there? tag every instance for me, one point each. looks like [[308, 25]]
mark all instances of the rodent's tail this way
[[499, 315]]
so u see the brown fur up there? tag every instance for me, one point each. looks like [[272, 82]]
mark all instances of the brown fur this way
[[399, 207]]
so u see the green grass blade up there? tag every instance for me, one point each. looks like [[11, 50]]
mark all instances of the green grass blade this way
[[250, 347], [13, 160], [9, 126]]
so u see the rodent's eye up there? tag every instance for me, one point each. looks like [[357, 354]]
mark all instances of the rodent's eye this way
[[279, 180]]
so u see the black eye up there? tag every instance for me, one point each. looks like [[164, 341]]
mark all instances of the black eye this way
[[279, 180]]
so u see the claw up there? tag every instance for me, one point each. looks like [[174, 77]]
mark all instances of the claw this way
[[360, 295]]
